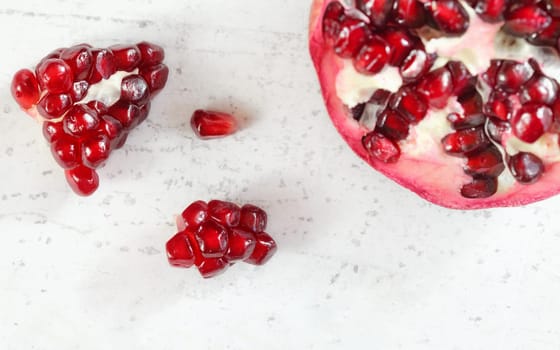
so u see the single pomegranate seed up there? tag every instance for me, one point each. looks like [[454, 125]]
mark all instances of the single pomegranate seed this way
[[80, 120], [156, 77], [55, 76], [526, 168], [105, 65], [465, 141], [96, 151], [437, 87], [144, 111], [151, 54], [66, 151], [462, 121], [127, 57], [80, 60], [373, 56], [463, 81], [553, 7], [225, 213], [179, 251], [83, 180], [79, 90], [358, 111], [526, 20], [410, 105], [548, 36], [391, 124], [487, 162], [134, 89], [377, 10], [52, 131], [491, 10], [354, 33], [480, 188], [53, 106], [531, 122], [113, 129], [127, 114], [98, 106], [332, 21], [25, 88], [265, 248], [211, 124], [499, 106], [539, 89], [380, 97], [195, 214], [496, 129], [489, 76], [241, 244], [212, 267], [212, 239], [381, 148], [252, 218], [449, 16], [401, 43], [409, 13], [190, 232], [512, 75], [416, 65], [471, 102]]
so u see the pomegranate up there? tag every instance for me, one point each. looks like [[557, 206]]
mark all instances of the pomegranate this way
[[88, 100], [215, 235], [455, 100], [212, 124]]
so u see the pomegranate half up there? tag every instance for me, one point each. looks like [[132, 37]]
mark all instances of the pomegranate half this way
[[454, 100]]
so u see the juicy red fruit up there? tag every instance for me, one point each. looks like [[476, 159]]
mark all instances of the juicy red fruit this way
[[25, 88], [212, 124]]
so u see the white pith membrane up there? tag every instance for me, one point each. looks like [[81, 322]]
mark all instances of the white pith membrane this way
[[482, 42]]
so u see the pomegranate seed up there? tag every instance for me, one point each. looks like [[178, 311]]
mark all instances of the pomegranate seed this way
[[401, 42], [381, 148], [156, 77], [212, 239], [127, 114], [553, 7], [548, 36], [380, 97], [487, 162], [491, 10], [416, 65], [449, 16], [66, 151], [252, 218], [526, 168], [83, 180], [134, 89], [195, 214], [179, 251], [499, 106], [463, 80], [265, 248], [354, 33], [241, 244], [80, 120], [437, 87], [79, 90], [53, 106], [465, 141], [52, 131], [225, 213], [410, 105], [377, 10], [144, 111], [127, 57], [358, 111], [531, 122], [526, 20], [489, 76], [211, 124], [391, 124], [373, 56], [409, 13], [539, 89], [151, 54], [471, 102], [480, 188], [55, 76], [212, 267], [332, 21], [113, 129], [462, 121], [98, 106], [25, 88], [105, 64], [497, 129], [512, 75], [96, 151], [80, 60]]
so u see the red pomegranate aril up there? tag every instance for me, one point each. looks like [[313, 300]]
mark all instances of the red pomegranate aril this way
[[416, 65], [151, 54], [332, 21], [496, 129], [55, 76], [531, 122], [265, 248], [487, 162], [252, 218], [225, 213], [105, 64], [195, 214], [126, 113], [471, 102], [377, 10], [381, 148], [491, 10], [354, 33], [465, 141], [134, 89], [553, 7], [391, 124], [548, 36], [483, 187], [179, 251], [127, 57], [410, 105], [489, 76], [401, 43], [539, 89], [52, 131], [241, 244], [512, 75], [212, 124], [437, 87], [526, 168], [463, 81], [449, 16], [498, 106], [53, 106], [462, 121], [66, 151], [96, 151], [525, 20], [380, 97], [144, 111], [358, 111], [372, 57], [212, 267], [156, 77], [212, 239], [409, 13], [83, 180], [80, 60], [80, 120], [79, 90], [25, 88], [98, 106]]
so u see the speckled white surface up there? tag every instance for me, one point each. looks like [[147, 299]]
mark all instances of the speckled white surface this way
[[362, 263]]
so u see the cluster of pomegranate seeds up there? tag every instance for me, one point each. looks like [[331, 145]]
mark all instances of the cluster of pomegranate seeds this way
[[212, 124], [215, 235], [83, 133]]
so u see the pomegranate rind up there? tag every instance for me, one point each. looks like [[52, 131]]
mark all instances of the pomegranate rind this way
[[436, 182]]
